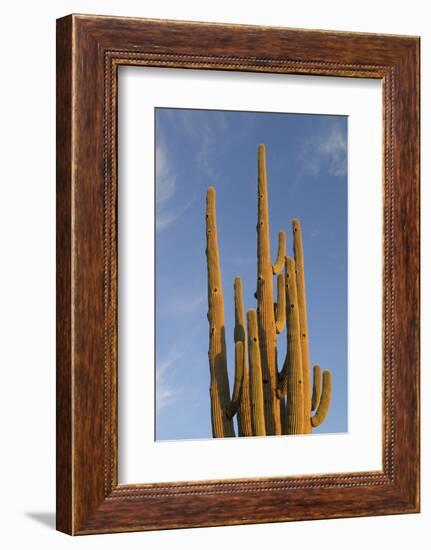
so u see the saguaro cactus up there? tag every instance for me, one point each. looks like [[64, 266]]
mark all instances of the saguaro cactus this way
[[220, 395], [265, 400], [265, 304], [257, 398], [292, 375], [302, 306], [241, 392]]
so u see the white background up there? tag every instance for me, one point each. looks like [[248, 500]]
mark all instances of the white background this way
[[141, 459], [27, 218]]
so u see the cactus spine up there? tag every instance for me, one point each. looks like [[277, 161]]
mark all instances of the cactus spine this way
[[265, 401]]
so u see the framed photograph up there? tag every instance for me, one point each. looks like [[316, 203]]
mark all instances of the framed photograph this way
[[237, 274]]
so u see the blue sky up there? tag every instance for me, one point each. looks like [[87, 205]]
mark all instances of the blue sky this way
[[307, 179]]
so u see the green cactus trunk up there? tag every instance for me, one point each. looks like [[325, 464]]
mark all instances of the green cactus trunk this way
[[265, 401]]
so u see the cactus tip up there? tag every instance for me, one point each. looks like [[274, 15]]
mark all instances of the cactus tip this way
[[211, 198], [251, 315], [290, 262]]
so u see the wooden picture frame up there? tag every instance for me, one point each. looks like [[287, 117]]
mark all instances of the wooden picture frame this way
[[89, 51]]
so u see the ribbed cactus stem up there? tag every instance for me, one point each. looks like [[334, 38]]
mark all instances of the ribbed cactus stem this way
[[222, 425], [281, 254], [325, 400], [244, 412], [256, 389], [280, 306], [302, 304], [237, 386], [317, 387], [291, 377], [265, 304]]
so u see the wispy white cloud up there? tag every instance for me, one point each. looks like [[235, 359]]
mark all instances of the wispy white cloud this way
[[167, 392], [208, 136], [167, 216], [323, 153], [166, 187], [197, 128], [326, 152], [333, 149], [165, 180]]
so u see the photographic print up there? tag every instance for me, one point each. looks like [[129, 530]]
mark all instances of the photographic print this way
[[251, 273], [200, 196]]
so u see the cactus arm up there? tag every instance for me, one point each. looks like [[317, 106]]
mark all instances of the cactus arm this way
[[281, 254], [219, 386], [317, 387], [239, 330], [280, 309], [325, 400], [233, 406], [302, 304], [265, 304], [256, 386], [291, 377], [244, 412]]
